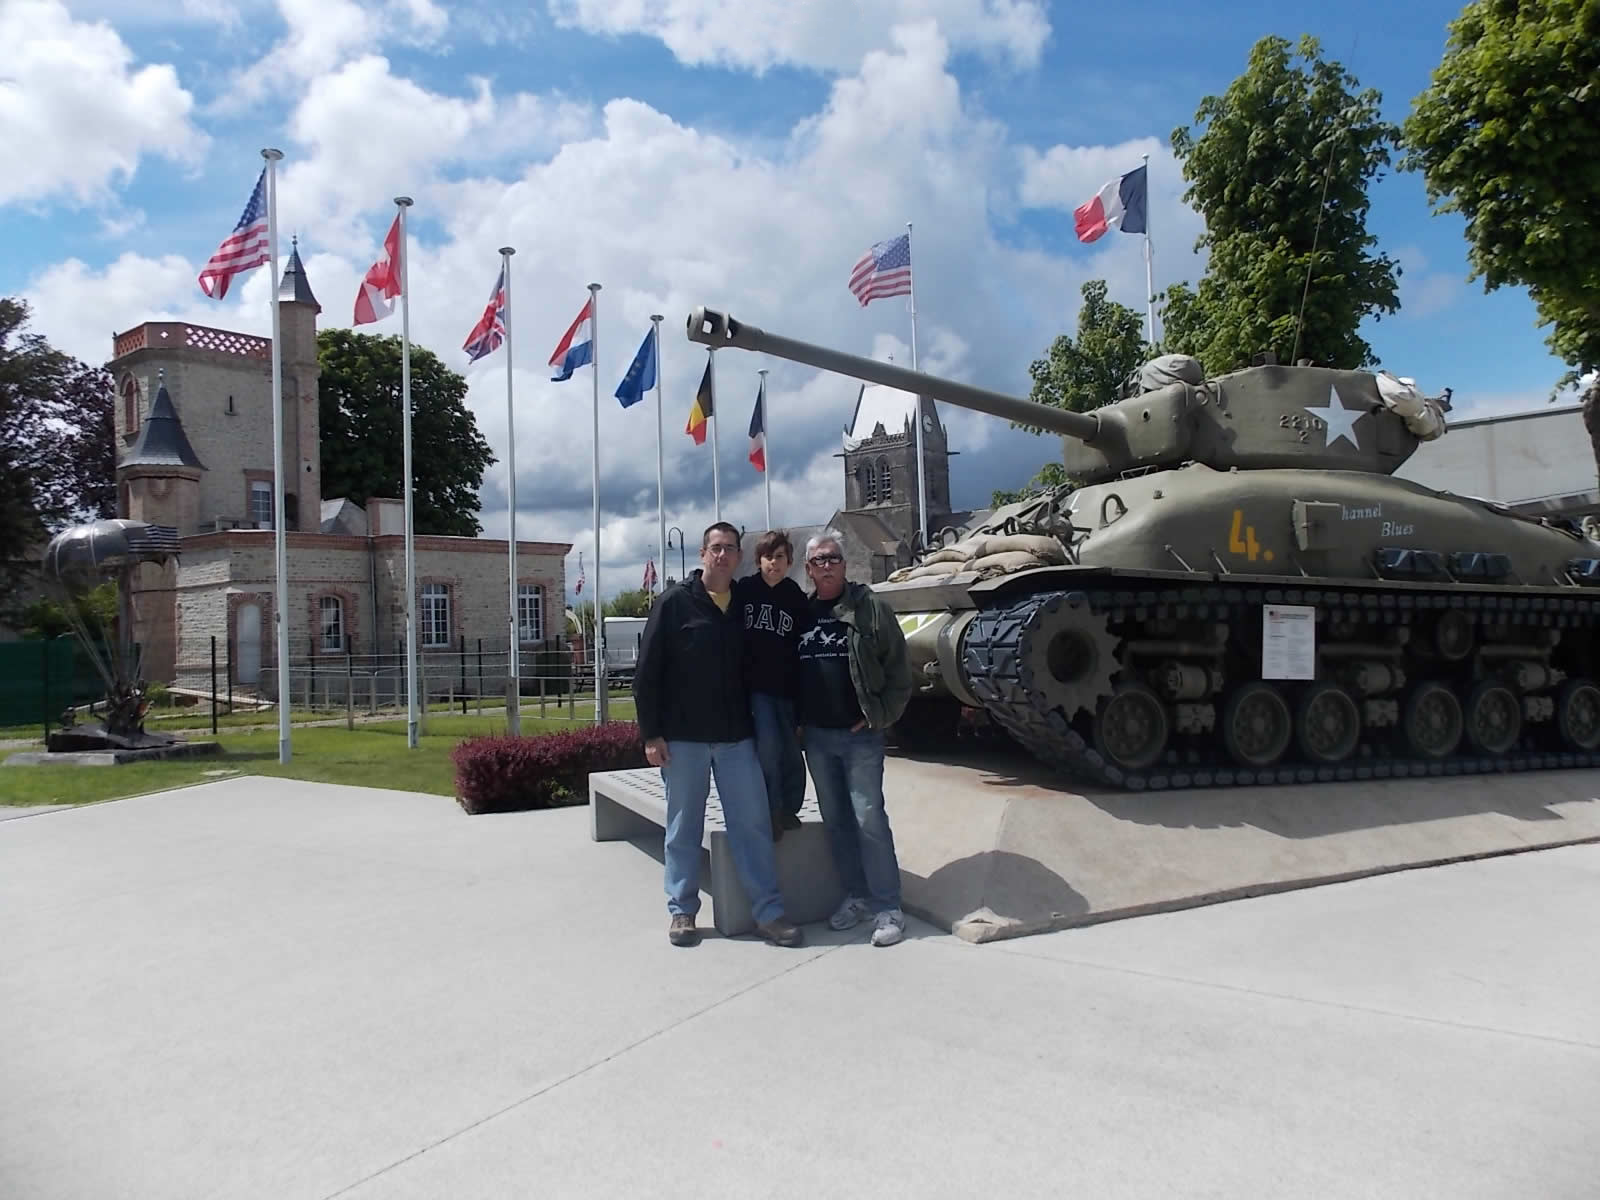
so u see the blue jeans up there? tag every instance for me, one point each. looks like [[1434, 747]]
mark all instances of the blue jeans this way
[[848, 771], [687, 778], [778, 748]]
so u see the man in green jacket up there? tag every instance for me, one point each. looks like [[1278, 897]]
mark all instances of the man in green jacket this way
[[854, 683]]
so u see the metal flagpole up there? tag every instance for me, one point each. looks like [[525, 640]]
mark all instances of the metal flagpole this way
[[922, 483], [404, 202], [1149, 272], [766, 442], [600, 697], [513, 668], [281, 538], [661, 489], [716, 479]]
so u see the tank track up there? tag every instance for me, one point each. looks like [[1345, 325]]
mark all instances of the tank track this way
[[993, 656]]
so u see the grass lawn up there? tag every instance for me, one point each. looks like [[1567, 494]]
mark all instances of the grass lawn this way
[[371, 755], [620, 709]]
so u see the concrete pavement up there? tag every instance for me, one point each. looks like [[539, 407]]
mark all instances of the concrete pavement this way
[[270, 988]]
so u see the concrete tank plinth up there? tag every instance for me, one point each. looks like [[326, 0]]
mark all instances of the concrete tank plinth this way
[[996, 847]]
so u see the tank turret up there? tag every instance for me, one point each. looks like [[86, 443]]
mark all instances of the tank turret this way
[[1235, 589], [1261, 417]]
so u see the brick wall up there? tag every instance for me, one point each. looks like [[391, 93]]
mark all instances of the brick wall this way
[[221, 571], [221, 385]]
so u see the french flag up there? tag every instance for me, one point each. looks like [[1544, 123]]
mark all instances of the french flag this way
[[1119, 205], [758, 431], [576, 348]]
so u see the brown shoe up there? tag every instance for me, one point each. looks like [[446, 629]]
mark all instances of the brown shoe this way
[[781, 932], [682, 931]]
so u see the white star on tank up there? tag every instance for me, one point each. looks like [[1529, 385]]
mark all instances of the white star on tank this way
[[1341, 421]]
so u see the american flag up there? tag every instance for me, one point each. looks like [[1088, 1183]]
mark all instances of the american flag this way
[[152, 539], [650, 575], [242, 250], [579, 588], [490, 330], [884, 270]]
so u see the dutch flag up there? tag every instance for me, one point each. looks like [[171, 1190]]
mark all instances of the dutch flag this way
[[576, 348], [1119, 205]]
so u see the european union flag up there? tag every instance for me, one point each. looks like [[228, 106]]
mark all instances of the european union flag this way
[[641, 376]]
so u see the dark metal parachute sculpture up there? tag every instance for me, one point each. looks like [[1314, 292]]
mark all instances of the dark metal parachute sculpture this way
[[82, 557]]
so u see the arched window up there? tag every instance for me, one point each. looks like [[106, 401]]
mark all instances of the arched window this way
[[885, 483], [130, 404], [331, 611], [867, 482]]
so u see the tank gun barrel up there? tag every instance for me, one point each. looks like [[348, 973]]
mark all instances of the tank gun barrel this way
[[721, 331]]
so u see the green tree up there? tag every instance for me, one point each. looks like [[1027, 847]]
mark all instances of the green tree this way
[[45, 618], [1280, 172], [1508, 135], [629, 604], [1051, 475], [362, 449], [1082, 374], [57, 452]]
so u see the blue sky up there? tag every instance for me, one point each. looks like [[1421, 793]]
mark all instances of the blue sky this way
[[739, 154]]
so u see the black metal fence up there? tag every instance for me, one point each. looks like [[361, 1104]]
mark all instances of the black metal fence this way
[[39, 678]]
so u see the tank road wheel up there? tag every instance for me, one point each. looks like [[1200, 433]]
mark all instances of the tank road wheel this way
[[1453, 635], [1068, 657], [1328, 723], [1494, 718], [1256, 725], [1131, 730], [1432, 721], [1578, 714]]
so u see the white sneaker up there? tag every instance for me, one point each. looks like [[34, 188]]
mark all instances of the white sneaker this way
[[891, 928], [849, 914]]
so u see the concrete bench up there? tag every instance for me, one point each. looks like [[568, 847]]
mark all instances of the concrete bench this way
[[633, 804]]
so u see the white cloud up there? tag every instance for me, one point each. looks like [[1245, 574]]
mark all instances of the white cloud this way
[[1425, 293], [323, 34], [829, 35], [75, 112], [368, 135]]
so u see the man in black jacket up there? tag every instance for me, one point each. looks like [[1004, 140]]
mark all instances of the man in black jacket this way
[[694, 715]]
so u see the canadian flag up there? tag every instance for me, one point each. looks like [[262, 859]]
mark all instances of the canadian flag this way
[[375, 300]]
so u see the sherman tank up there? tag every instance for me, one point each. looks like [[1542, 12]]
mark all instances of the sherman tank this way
[[1234, 588]]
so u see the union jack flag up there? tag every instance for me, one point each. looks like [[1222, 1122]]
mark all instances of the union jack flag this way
[[242, 250], [490, 330], [884, 270]]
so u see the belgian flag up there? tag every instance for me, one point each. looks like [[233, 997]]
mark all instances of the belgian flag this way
[[700, 412]]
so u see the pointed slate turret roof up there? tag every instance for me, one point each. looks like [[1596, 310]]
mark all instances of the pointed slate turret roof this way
[[162, 442], [294, 285]]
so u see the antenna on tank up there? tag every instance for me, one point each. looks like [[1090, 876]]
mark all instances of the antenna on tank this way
[[1316, 233]]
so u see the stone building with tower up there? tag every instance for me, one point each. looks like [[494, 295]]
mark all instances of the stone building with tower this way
[[879, 519], [194, 434]]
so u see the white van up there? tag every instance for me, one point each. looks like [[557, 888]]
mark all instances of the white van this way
[[622, 645]]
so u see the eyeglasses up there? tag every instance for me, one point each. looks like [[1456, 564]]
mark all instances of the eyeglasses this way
[[721, 548], [825, 560]]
